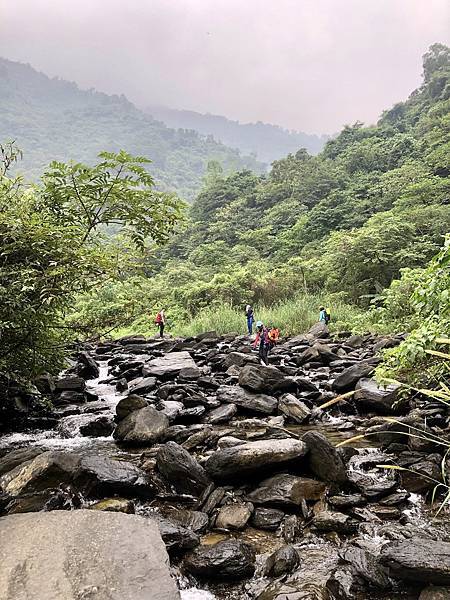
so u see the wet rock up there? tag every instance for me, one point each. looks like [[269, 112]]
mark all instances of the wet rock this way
[[319, 331], [14, 458], [191, 415], [143, 426], [229, 441], [87, 367], [189, 374], [171, 409], [334, 521], [222, 414], [258, 378], [230, 559], [348, 379], [365, 565], [102, 476], [282, 561], [181, 469], [343, 502], [197, 438], [435, 593], [213, 499], [368, 480], [394, 499], [323, 459], [122, 385], [267, 518], [341, 584], [142, 386], [114, 505], [127, 405], [253, 457], [71, 383], [101, 427], [239, 359], [176, 537], [62, 551], [48, 470], [190, 519], [417, 479], [374, 397], [286, 491], [293, 408], [69, 397], [260, 403], [234, 516], [169, 365], [418, 560]]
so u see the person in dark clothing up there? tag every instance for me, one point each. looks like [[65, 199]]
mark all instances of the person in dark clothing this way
[[262, 342], [250, 318]]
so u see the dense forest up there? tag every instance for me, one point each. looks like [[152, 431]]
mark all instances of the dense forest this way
[[354, 226], [267, 142], [52, 119]]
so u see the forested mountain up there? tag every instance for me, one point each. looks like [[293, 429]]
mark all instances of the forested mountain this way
[[373, 204], [267, 142], [52, 119]]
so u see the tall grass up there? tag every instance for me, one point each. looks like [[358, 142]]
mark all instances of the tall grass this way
[[290, 316]]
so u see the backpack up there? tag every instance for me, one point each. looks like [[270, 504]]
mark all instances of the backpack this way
[[158, 319], [274, 335], [327, 316]]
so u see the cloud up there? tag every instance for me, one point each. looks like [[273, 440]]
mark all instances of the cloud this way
[[312, 65]]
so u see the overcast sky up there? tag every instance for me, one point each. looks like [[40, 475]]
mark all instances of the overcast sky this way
[[311, 65]]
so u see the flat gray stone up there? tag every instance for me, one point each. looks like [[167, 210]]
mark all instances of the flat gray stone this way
[[70, 555]]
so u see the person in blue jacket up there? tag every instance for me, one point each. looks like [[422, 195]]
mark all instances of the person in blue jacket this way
[[250, 318]]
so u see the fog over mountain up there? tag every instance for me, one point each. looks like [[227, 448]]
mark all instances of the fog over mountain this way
[[309, 65]]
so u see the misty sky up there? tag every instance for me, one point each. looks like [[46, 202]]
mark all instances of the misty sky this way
[[311, 65]]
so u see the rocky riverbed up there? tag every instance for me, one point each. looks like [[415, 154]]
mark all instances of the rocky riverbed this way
[[237, 464]]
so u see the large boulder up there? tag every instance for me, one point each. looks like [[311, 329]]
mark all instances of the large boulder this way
[[230, 559], [181, 469], [127, 405], [17, 457], [235, 394], [103, 476], [71, 383], [47, 470], [143, 426], [294, 409], [286, 491], [69, 555], [347, 380], [169, 365], [375, 397], [259, 378], [418, 560], [87, 367], [254, 457], [319, 331], [100, 427], [323, 458]]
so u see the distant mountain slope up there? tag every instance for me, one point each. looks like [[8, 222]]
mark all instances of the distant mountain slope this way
[[54, 119], [267, 142]]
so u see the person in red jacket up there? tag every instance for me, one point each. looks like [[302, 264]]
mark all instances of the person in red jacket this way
[[161, 322]]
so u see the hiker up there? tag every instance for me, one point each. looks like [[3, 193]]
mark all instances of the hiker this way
[[262, 342], [160, 321], [250, 318], [324, 316]]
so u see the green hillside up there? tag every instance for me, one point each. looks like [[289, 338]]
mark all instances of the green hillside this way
[[52, 119], [267, 142], [342, 225]]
